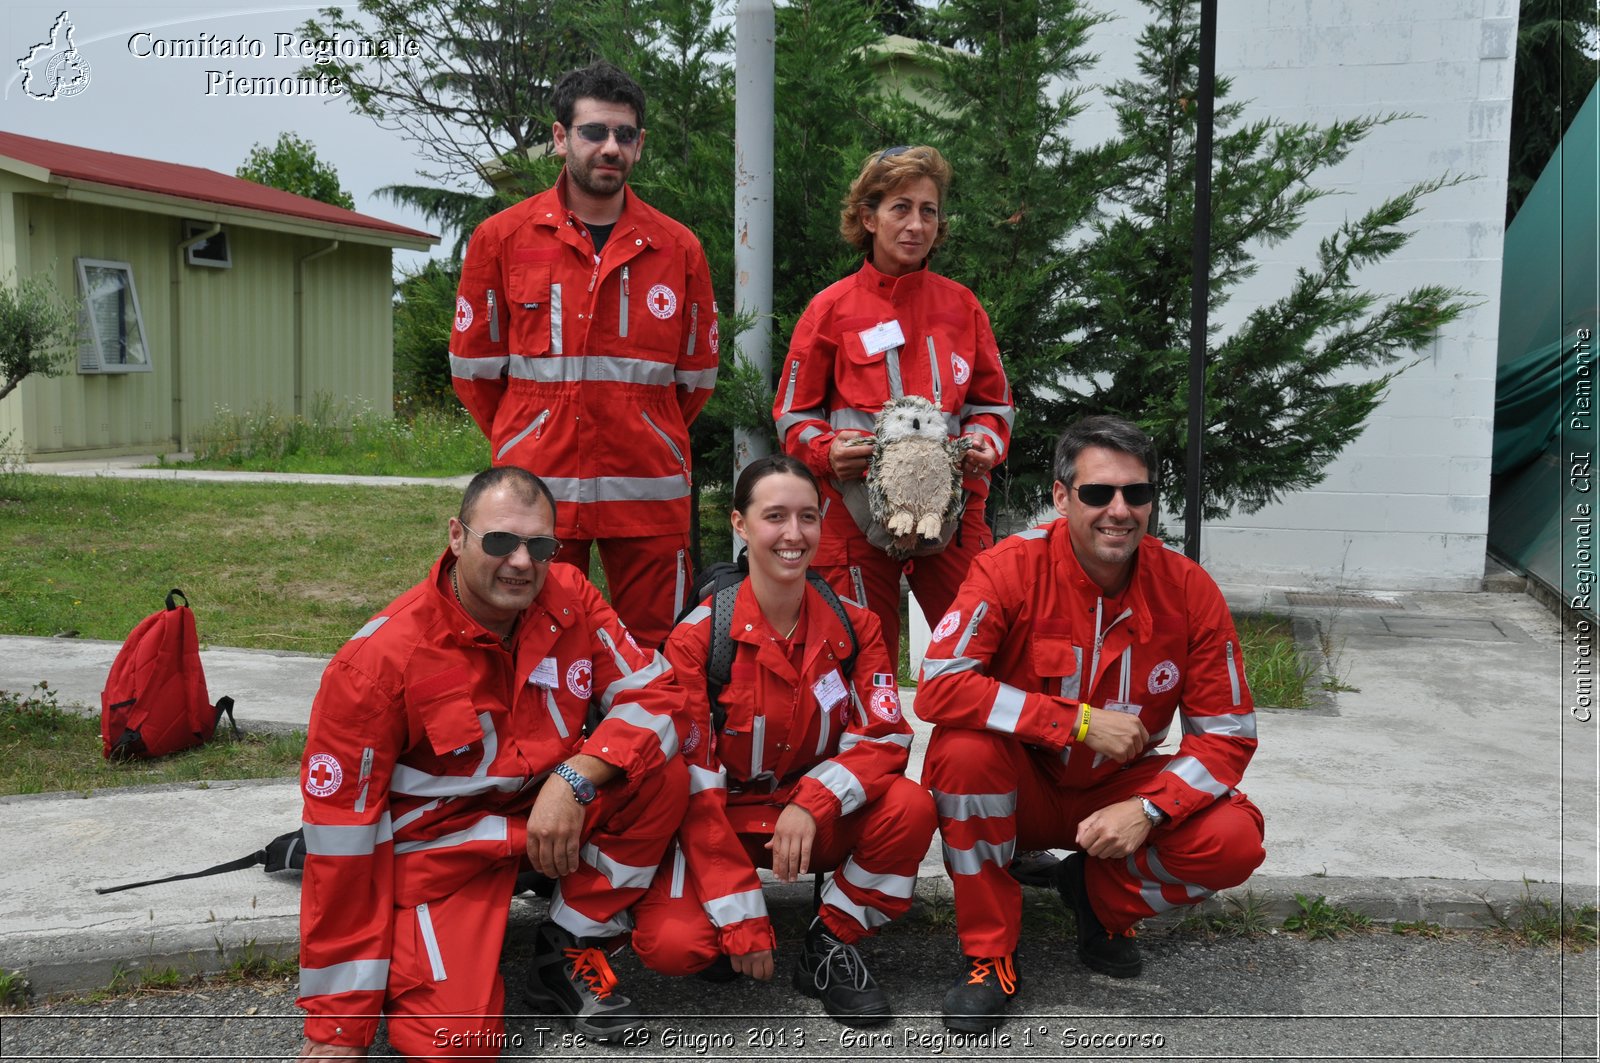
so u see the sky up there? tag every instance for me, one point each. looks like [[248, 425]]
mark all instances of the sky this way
[[139, 102]]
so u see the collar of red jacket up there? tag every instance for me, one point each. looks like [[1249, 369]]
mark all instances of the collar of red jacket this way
[[1071, 573], [553, 604], [874, 279], [823, 629]]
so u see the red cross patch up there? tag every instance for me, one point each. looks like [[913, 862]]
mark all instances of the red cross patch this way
[[580, 678], [323, 775], [463, 314], [662, 301]]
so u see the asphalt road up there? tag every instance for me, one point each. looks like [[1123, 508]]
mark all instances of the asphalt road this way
[[1373, 995]]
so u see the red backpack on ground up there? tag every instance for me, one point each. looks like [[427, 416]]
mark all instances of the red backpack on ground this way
[[155, 699]]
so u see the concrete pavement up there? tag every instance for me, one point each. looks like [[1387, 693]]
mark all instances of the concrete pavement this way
[[1445, 778]]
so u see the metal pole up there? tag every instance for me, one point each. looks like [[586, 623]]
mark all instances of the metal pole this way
[[1201, 291], [754, 31]]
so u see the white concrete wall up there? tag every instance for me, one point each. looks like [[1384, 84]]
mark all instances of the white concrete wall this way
[[1407, 504]]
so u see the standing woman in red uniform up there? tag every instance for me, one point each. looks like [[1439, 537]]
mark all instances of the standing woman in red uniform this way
[[804, 772], [893, 328]]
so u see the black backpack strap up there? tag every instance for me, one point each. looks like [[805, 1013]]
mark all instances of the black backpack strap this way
[[257, 857], [286, 852], [719, 661], [224, 706], [847, 666], [176, 593]]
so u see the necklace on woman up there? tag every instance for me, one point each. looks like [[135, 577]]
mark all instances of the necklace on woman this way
[[792, 629]]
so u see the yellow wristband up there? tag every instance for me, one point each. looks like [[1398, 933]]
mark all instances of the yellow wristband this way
[[1083, 722]]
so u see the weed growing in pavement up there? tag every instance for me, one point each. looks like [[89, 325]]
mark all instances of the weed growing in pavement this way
[[938, 906], [1321, 919], [1421, 928], [1240, 917], [1274, 669], [156, 978], [251, 962], [14, 989], [1543, 922]]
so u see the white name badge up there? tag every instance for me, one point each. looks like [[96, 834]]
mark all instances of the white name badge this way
[[1123, 706], [829, 689], [545, 674], [882, 336]]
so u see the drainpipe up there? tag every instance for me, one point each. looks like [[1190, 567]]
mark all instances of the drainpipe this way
[[300, 325], [178, 419]]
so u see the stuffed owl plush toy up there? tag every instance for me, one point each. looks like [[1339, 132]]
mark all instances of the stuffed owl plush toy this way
[[914, 480]]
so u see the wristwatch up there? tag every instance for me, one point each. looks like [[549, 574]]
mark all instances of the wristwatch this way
[[1151, 812], [582, 788]]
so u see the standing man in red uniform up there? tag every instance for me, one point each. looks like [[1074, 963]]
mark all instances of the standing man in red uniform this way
[[585, 344], [1057, 672], [447, 751]]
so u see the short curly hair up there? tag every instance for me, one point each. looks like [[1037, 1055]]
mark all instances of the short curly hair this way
[[884, 172], [597, 81]]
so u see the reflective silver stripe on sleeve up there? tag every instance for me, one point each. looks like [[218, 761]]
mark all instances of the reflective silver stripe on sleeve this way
[[430, 942], [736, 907], [864, 914], [478, 368], [1233, 674], [556, 344], [849, 418], [1005, 413], [703, 779], [933, 668], [357, 840], [971, 861], [808, 434], [979, 611], [413, 783], [696, 380], [991, 435], [842, 783], [1032, 533], [637, 681], [369, 627], [1232, 725], [789, 420], [851, 739], [861, 878], [1006, 711], [598, 368], [660, 726], [952, 425], [621, 876], [696, 615], [579, 925], [487, 829], [1195, 774], [616, 488], [353, 976], [532, 427], [974, 806]]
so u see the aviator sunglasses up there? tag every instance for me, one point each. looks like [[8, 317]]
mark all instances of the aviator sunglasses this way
[[597, 132], [1101, 494], [504, 544]]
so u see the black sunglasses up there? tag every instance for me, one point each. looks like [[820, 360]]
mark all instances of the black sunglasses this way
[[1102, 494], [597, 132], [504, 544]]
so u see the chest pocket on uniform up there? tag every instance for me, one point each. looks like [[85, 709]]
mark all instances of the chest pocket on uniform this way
[[534, 309], [1055, 659], [739, 697], [443, 703]]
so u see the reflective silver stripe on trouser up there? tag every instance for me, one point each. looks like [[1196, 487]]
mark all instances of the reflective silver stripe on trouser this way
[[660, 726], [478, 368], [971, 861], [1150, 890], [579, 925], [889, 885], [680, 587], [1006, 710], [598, 368], [1231, 725], [619, 488], [556, 344], [865, 916], [487, 829], [621, 876], [736, 907], [934, 668], [979, 611], [430, 942], [354, 976], [369, 627], [974, 806], [356, 840], [1195, 774], [891, 366], [842, 783], [532, 426]]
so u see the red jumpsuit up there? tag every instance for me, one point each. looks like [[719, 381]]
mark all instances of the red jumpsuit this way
[[837, 375], [427, 745], [588, 372], [797, 731], [1028, 638]]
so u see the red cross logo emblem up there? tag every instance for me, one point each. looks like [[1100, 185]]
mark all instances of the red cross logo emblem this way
[[580, 678], [662, 301], [323, 775], [463, 314]]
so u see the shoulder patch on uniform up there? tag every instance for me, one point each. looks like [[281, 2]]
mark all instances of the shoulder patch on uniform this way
[[948, 625], [463, 314]]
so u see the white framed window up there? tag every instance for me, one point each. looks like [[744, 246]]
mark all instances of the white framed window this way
[[113, 335], [212, 251]]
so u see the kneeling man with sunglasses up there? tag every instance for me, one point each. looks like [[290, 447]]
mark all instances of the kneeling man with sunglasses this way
[[1052, 681], [448, 751]]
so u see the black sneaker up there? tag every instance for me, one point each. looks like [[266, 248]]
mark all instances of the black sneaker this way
[[573, 978], [720, 971], [977, 1002], [833, 972], [1100, 950], [1035, 867]]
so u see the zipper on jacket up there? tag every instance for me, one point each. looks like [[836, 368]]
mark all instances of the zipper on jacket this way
[[788, 394], [1233, 674], [366, 773], [676, 453], [494, 318], [933, 366], [622, 313], [535, 429], [694, 325]]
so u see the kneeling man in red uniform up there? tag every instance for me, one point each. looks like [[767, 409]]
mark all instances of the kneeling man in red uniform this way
[[1069, 652]]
